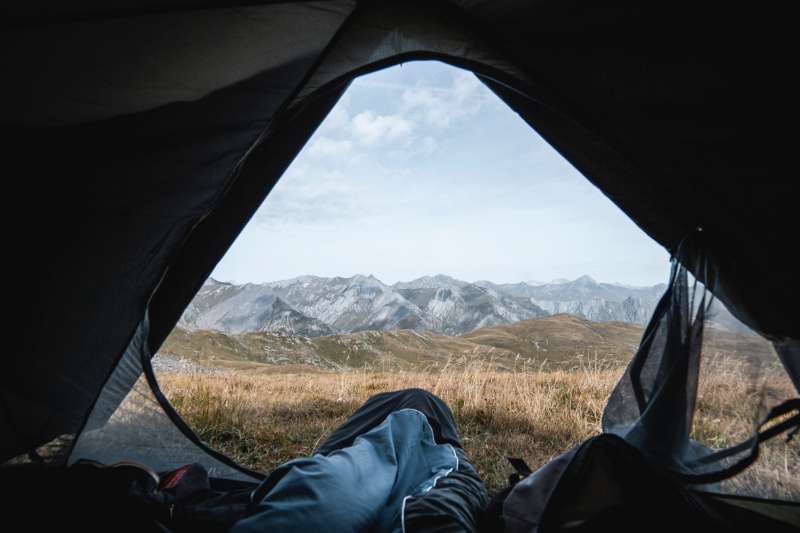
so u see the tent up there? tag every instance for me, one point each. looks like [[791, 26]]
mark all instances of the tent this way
[[140, 138]]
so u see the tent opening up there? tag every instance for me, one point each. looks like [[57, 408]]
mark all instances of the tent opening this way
[[427, 237]]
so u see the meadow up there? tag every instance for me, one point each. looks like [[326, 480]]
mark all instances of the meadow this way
[[262, 417]]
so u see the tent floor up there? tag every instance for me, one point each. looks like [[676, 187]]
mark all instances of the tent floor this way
[[61, 497]]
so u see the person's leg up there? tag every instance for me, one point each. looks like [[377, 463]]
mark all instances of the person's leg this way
[[378, 407], [456, 502], [458, 498]]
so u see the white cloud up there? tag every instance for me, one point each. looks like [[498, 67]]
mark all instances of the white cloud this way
[[325, 146], [310, 194], [339, 117], [428, 145], [406, 123], [371, 128], [416, 147], [440, 107]]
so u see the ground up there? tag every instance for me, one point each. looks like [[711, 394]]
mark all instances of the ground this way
[[263, 415]]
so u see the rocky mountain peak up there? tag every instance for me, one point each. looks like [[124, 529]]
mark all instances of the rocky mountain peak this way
[[440, 303]]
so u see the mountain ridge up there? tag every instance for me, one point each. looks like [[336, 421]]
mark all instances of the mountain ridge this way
[[318, 306], [558, 341]]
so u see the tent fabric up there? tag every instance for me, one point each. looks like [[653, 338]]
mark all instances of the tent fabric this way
[[136, 64], [606, 484], [655, 403], [129, 423], [119, 197], [789, 353], [428, 28], [143, 138]]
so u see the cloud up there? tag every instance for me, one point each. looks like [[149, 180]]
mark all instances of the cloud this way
[[339, 116], [428, 145], [325, 146], [415, 147], [440, 107], [310, 194], [406, 124], [318, 190], [371, 128]]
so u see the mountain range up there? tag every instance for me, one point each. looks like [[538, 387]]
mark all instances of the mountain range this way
[[558, 341], [315, 306]]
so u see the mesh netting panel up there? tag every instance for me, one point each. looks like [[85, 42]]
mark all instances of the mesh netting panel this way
[[696, 391], [740, 380], [129, 424]]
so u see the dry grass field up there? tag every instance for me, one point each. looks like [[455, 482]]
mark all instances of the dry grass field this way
[[262, 418]]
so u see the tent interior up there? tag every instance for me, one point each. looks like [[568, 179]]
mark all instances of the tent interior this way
[[144, 137]]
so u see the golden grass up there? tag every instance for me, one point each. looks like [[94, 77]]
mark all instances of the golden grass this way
[[264, 419]]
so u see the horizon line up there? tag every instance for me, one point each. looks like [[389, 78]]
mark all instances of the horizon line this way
[[532, 283]]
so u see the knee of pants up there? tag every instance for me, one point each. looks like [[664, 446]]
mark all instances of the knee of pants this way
[[417, 394]]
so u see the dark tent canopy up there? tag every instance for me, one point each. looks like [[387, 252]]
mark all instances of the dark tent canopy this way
[[140, 138]]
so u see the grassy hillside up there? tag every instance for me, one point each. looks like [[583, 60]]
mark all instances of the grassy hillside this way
[[555, 341], [559, 340], [562, 338]]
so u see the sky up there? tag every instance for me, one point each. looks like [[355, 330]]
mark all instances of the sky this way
[[420, 169]]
